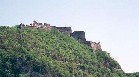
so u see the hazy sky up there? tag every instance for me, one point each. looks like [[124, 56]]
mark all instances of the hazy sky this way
[[115, 23]]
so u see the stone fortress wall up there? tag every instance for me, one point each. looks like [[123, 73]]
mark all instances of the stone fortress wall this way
[[67, 30], [79, 35]]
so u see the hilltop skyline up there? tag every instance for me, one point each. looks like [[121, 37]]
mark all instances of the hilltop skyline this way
[[113, 23]]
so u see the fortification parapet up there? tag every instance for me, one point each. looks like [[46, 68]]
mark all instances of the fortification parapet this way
[[88, 43], [79, 35], [37, 25], [67, 30]]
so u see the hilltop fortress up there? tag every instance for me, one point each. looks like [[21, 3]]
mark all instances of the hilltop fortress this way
[[79, 35]]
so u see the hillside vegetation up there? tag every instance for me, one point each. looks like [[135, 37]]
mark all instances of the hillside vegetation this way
[[136, 74], [30, 52]]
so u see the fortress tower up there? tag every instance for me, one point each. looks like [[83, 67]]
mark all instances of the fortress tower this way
[[67, 30], [79, 35]]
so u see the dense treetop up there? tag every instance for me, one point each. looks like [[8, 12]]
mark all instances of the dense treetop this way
[[30, 52]]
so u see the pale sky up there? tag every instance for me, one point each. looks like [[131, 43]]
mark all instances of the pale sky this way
[[115, 23]]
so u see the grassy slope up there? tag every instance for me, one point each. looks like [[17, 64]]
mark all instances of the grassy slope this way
[[41, 53]]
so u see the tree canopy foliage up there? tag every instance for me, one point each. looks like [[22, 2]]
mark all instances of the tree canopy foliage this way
[[30, 52]]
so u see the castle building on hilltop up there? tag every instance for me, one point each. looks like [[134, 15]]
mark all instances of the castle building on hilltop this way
[[36, 24], [79, 35], [67, 30]]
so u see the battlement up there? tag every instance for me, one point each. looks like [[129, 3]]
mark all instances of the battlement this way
[[36, 24], [67, 30], [79, 35], [88, 43]]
